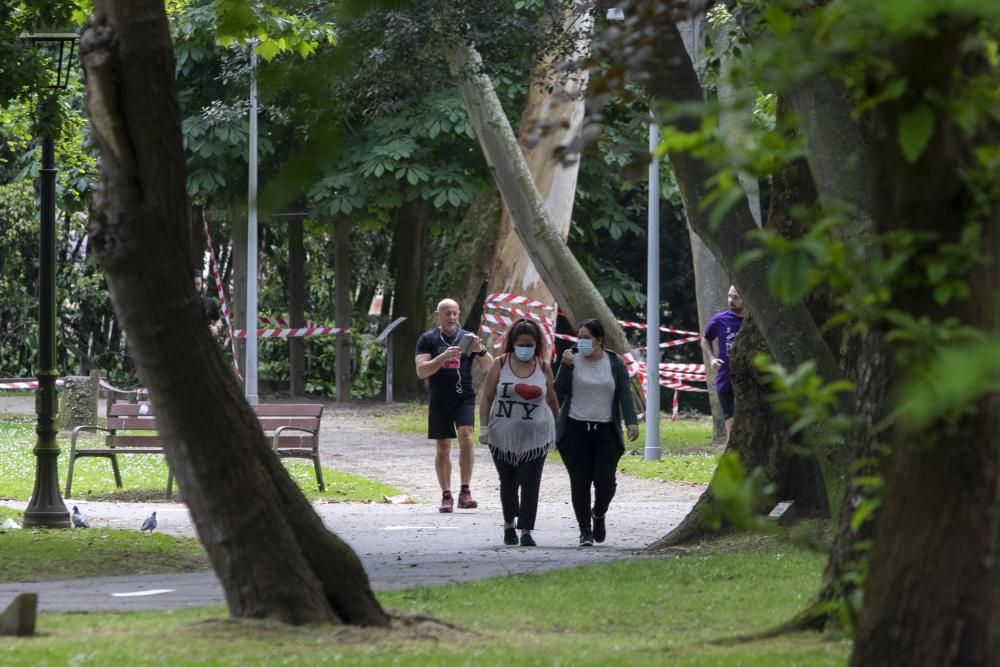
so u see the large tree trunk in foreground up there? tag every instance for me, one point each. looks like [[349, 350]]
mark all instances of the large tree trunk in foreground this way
[[273, 556], [555, 100], [932, 596], [560, 270]]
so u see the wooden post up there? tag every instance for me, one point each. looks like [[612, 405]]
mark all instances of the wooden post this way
[[296, 306]]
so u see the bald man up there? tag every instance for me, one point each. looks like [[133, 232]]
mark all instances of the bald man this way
[[452, 398]]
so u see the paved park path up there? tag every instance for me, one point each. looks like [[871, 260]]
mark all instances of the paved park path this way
[[400, 545]]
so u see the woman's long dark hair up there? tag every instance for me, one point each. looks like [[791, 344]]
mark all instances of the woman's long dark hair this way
[[524, 327]]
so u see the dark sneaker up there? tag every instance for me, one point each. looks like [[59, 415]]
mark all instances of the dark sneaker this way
[[465, 501], [586, 538], [510, 537], [447, 504], [600, 529], [527, 540]]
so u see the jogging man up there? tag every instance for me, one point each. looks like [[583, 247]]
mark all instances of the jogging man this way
[[724, 326], [452, 398]]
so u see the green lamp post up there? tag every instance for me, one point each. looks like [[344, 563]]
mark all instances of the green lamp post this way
[[46, 507]]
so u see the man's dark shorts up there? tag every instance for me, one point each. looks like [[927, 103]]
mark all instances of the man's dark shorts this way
[[728, 401], [445, 416]]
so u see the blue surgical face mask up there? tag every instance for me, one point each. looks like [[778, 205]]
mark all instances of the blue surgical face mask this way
[[524, 352], [585, 345]]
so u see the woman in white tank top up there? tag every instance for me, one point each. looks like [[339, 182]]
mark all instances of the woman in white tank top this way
[[517, 418]]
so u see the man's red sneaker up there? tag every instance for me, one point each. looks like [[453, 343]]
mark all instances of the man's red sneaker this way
[[465, 501], [447, 504]]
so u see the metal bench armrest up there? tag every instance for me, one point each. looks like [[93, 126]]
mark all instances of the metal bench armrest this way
[[85, 427], [281, 429]]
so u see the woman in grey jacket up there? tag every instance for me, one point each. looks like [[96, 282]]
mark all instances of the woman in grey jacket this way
[[593, 387]]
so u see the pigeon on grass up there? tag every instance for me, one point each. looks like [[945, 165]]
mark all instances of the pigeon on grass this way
[[149, 525], [79, 521]]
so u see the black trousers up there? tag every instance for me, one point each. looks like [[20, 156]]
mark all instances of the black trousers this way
[[590, 452], [526, 476]]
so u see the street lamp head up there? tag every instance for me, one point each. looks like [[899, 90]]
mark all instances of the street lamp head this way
[[58, 44], [616, 14]]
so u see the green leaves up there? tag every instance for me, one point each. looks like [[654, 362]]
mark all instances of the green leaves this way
[[950, 383], [914, 131], [788, 277]]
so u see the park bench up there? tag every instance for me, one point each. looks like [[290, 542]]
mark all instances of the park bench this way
[[131, 428]]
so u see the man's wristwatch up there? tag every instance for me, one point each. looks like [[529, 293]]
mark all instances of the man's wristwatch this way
[[482, 351]]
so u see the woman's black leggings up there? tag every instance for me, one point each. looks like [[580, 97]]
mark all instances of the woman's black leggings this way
[[526, 476], [590, 452]]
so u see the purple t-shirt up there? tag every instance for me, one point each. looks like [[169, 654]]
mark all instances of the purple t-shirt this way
[[724, 327]]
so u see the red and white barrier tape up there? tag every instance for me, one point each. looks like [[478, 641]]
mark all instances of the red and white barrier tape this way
[[675, 407], [500, 298], [281, 321], [302, 332], [226, 318]]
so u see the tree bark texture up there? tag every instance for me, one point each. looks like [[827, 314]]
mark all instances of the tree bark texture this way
[[474, 250], [932, 596], [342, 279], [270, 550], [296, 307], [560, 270], [409, 252], [556, 104]]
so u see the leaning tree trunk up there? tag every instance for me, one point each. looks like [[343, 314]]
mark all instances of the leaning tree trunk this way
[[932, 596], [560, 270], [269, 548], [552, 117]]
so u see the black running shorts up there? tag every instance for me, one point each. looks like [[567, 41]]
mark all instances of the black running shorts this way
[[443, 418]]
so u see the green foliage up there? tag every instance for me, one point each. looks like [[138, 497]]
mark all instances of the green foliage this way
[[735, 494], [949, 383]]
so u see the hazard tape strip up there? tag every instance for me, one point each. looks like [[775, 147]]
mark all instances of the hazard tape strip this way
[[230, 342], [302, 332]]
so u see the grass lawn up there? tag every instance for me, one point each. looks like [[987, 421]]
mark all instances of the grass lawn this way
[[145, 476], [688, 454], [640, 612], [45, 555]]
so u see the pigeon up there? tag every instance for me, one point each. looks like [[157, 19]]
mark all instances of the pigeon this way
[[149, 525], [78, 519]]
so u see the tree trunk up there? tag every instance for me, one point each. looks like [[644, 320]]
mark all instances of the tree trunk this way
[[552, 117], [342, 285], [932, 596], [296, 307], [672, 77], [269, 548], [474, 249], [710, 279], [409, 249], [562, 274]]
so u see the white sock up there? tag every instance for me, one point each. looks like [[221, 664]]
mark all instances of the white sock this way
[[508, 525], [526, 532]]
